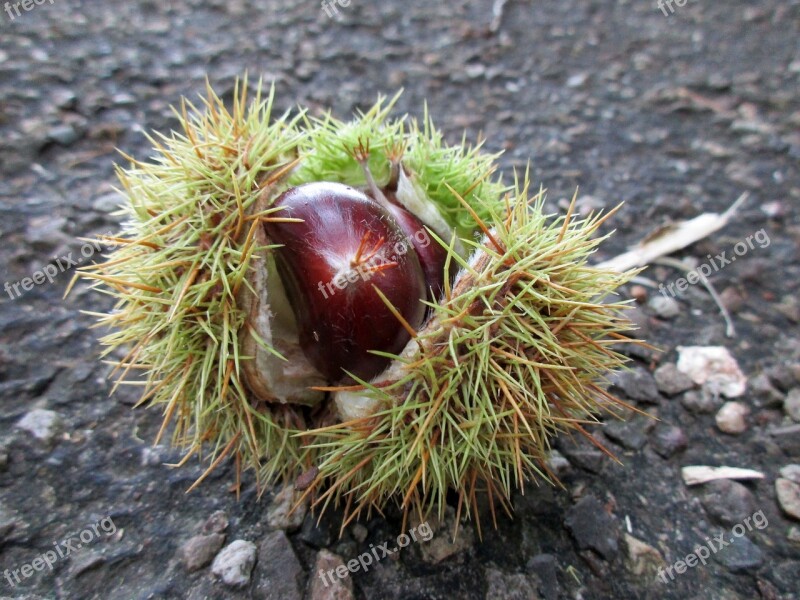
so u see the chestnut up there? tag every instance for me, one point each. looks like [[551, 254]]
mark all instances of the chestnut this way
[[432, 256], [330, 263], [224, 319]]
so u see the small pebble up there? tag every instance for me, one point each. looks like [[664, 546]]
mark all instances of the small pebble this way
[[766, 395], [639, 293], [665, 307], [278, 574], [791, 404], [671, 381], [216, 523], [577, 80], [65, 135], [234, 563], [714, 368], [151, 456], [700, 402], [788, 497], [787, 438], [794, 534], [359, 533], [583, 453], [558, 463], [774, 209], [636, 384], [473, 71], [64, 99], [727, 502], [280, 514], [592, 527], [782, 376], [317, 534], [512, 586], [630, 434], [642, 558], [107, 203], [791, 472], [667, 440], [199, 550], [42, 424], [441, 546], [731, 418], [739, 555], [330, 578], [789, 307], [731, 299], [545, 567]]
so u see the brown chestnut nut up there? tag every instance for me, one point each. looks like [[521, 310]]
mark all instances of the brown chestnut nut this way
[[329, 263], [431, 254]]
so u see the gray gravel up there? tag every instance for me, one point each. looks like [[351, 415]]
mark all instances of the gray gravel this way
[[674, 115]]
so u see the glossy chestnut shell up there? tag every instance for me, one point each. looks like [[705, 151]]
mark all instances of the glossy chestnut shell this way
[[330, 263]]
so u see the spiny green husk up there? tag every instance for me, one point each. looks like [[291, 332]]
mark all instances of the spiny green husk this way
[[328, 156], [182, 257], [514, 354]]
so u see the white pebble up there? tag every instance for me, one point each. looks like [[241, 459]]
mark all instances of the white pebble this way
[[731, 418], [234, 563], [40, 423], [714, 368]]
